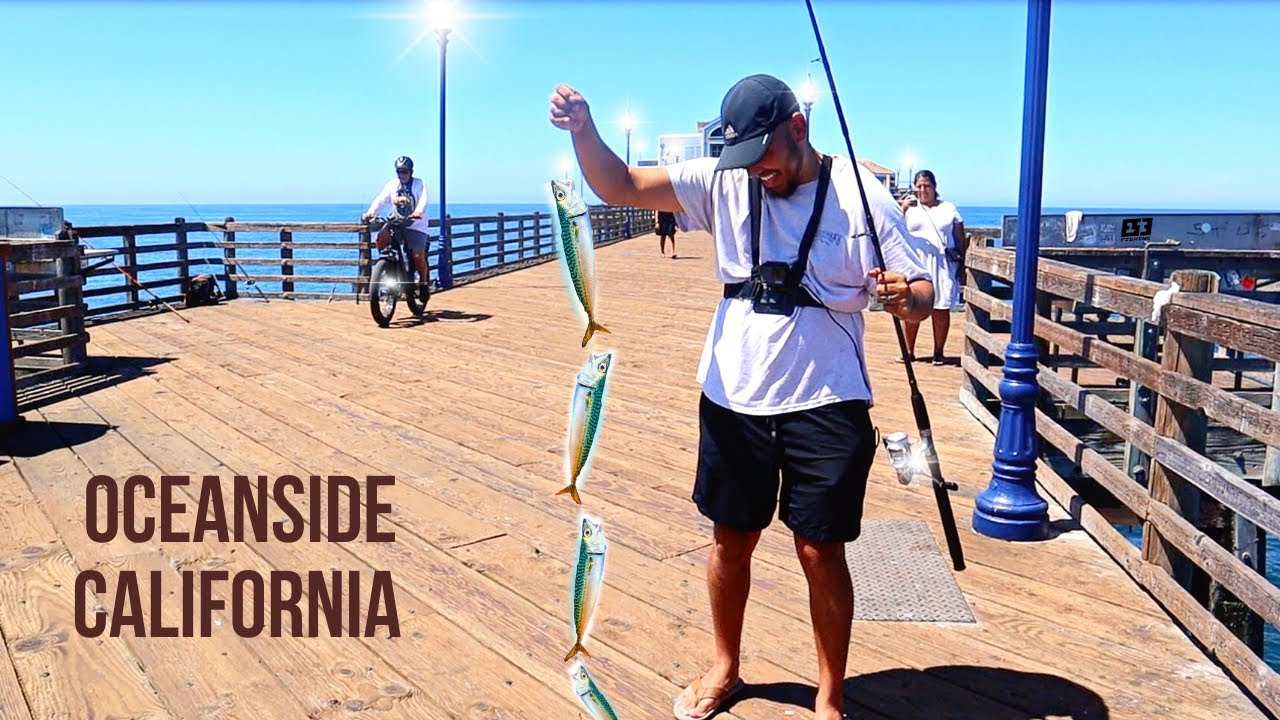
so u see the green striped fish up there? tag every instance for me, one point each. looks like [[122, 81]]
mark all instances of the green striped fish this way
[[588, 574], [584, 417], [584, 686], [575, 248]]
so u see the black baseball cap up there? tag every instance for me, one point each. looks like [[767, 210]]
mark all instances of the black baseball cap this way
[[753, 107]]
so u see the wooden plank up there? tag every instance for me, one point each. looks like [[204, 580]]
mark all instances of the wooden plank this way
[[63, 674], [39, 317], [37, 347], [22, 287], [1253, 503]]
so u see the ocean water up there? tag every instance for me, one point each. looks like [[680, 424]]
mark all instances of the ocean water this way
[[89, 215]]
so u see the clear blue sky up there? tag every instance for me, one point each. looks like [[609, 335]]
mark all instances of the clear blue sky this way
[[1166, 105]]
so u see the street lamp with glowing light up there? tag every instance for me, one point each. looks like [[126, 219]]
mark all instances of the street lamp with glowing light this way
[[443, 15]]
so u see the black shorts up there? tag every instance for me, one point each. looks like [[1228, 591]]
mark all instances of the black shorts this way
[[811, 465]]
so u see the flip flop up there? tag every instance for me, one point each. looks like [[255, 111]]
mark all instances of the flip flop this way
[[718, 696]]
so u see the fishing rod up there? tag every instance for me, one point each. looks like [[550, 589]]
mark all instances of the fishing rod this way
[[124, 272], [221, 244], [940, 486]]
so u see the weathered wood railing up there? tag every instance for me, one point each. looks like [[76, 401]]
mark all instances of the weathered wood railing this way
[[307, 260], [1204, 523], [46, 310]]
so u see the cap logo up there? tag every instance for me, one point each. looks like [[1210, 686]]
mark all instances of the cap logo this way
[[729, 132]]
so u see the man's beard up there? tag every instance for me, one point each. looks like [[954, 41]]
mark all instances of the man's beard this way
[[796, 164]]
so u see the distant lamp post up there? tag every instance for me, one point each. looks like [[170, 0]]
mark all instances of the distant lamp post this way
[[908, 162], [639, 150], [628, 124], [808, 94], [444, 13], [566, 166]]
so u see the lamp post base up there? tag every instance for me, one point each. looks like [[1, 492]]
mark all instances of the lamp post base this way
[[1010, 508], [1003, 518]]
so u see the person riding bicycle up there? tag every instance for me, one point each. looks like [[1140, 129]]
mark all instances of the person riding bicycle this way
[[405, 196]]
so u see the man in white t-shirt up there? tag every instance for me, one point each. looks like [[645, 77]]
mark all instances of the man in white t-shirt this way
[[784, 422], [405, 185]]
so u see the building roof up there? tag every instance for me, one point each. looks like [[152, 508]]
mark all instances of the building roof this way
[[876, 167]]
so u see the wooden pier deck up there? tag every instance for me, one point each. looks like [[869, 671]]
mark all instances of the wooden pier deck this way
[[468, 412]]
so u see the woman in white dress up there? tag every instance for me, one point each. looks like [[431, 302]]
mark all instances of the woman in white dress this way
[[937, 231]]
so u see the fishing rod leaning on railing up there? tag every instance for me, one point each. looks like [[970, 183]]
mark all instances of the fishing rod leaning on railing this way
[[904, 460]]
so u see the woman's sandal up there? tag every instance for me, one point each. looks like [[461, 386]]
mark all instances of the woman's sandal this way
[[718, 696]]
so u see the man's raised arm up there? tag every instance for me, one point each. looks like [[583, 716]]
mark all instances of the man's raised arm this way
[[604, 171]]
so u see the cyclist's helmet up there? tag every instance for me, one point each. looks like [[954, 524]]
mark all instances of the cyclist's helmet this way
[[404, 163]]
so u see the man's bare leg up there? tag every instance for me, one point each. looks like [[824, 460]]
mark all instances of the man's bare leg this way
[[831, 607], [728, 583]]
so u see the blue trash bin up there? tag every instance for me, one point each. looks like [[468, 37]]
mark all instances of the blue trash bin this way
[[8, 377]]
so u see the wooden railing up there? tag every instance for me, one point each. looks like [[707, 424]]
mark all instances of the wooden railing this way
[[46, 310], [1204, 514], [304, 260]]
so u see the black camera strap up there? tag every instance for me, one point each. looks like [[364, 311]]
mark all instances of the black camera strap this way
[[756, 192]]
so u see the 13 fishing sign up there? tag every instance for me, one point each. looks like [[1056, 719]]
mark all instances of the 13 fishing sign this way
[[197, 512]]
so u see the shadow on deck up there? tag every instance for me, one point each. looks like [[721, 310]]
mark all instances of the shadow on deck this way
[[470, 417]]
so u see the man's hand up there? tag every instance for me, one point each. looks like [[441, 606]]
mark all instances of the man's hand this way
[[366, 217], [415, 216], [569, 110], [897, 295]]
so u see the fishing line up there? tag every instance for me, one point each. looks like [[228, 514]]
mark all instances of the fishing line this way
[[940, 486], [129, 277]]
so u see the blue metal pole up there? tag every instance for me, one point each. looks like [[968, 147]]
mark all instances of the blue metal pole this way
[[445, 271], [1010, 508], [8, 382]]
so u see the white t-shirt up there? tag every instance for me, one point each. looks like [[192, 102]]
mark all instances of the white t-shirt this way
[[934, 225], [761, 364], [382, 203]]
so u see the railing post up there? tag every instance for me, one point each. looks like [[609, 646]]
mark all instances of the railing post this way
[[1010, 508], [129, 243], [444, 264], [982, 319], [66, 266], [183, 253], [364, 260], [1189, 356], [1142, 400], [502, 239], [537, 233], [1271, 465], [1251, 548], [229, 258], [286, 256]]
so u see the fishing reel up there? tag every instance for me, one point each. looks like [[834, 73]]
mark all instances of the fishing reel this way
[[909, 460], [905, 460]]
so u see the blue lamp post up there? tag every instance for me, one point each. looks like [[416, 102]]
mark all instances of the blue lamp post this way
[[1010, 508], [445, 13]]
